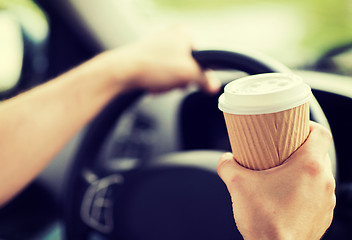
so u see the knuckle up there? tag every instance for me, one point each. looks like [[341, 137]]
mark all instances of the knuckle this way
[[325, 133], [236, 180], [237, 183], [330, 186], [312, 168], [333, 202]]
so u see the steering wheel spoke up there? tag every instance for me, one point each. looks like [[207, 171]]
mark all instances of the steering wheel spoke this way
[[98, 202]]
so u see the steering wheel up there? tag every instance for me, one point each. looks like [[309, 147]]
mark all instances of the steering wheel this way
[[177, 195]]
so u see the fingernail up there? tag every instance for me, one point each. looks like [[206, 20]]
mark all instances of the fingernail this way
[[227, 155]]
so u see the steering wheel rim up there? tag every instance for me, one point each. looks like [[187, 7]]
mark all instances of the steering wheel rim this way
[[83, 176]]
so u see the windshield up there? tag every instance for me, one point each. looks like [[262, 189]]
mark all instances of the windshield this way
[[293, 31]]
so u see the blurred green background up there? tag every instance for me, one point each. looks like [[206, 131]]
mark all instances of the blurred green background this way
[[327, 23]]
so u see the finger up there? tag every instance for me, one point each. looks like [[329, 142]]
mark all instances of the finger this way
[[318, 141], [328, 163], [228, 169], [209, 82], [319, 137]]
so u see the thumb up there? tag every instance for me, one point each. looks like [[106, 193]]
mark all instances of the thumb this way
[[315, 147], [229, 169]]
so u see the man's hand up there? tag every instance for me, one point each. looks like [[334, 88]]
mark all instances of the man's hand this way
[[293, 201], [57, 110], [159, 63]]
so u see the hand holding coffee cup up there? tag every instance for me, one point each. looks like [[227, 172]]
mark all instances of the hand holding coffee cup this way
[[267, 118]]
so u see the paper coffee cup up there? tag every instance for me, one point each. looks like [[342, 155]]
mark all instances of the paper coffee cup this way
[[267, 118]]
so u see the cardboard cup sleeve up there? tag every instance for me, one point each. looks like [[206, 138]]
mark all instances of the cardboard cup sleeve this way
[[267, 118], [264, 141]]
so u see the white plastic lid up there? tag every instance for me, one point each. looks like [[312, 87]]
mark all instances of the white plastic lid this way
[[264, 93]]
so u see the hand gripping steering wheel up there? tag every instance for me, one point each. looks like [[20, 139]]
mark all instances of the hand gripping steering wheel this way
[[178, 196]]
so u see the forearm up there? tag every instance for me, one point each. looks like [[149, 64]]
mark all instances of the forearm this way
[[35, 125]]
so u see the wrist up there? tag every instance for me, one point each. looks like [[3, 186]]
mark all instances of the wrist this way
[[263, 236], [121, 69], [268, 233]]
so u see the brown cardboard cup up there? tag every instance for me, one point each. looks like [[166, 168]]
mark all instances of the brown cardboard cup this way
[[267, 118]]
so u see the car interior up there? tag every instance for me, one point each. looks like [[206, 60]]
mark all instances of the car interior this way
[[145, 167]]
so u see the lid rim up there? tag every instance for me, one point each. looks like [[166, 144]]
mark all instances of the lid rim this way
[[278, 97], [263, 110]]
